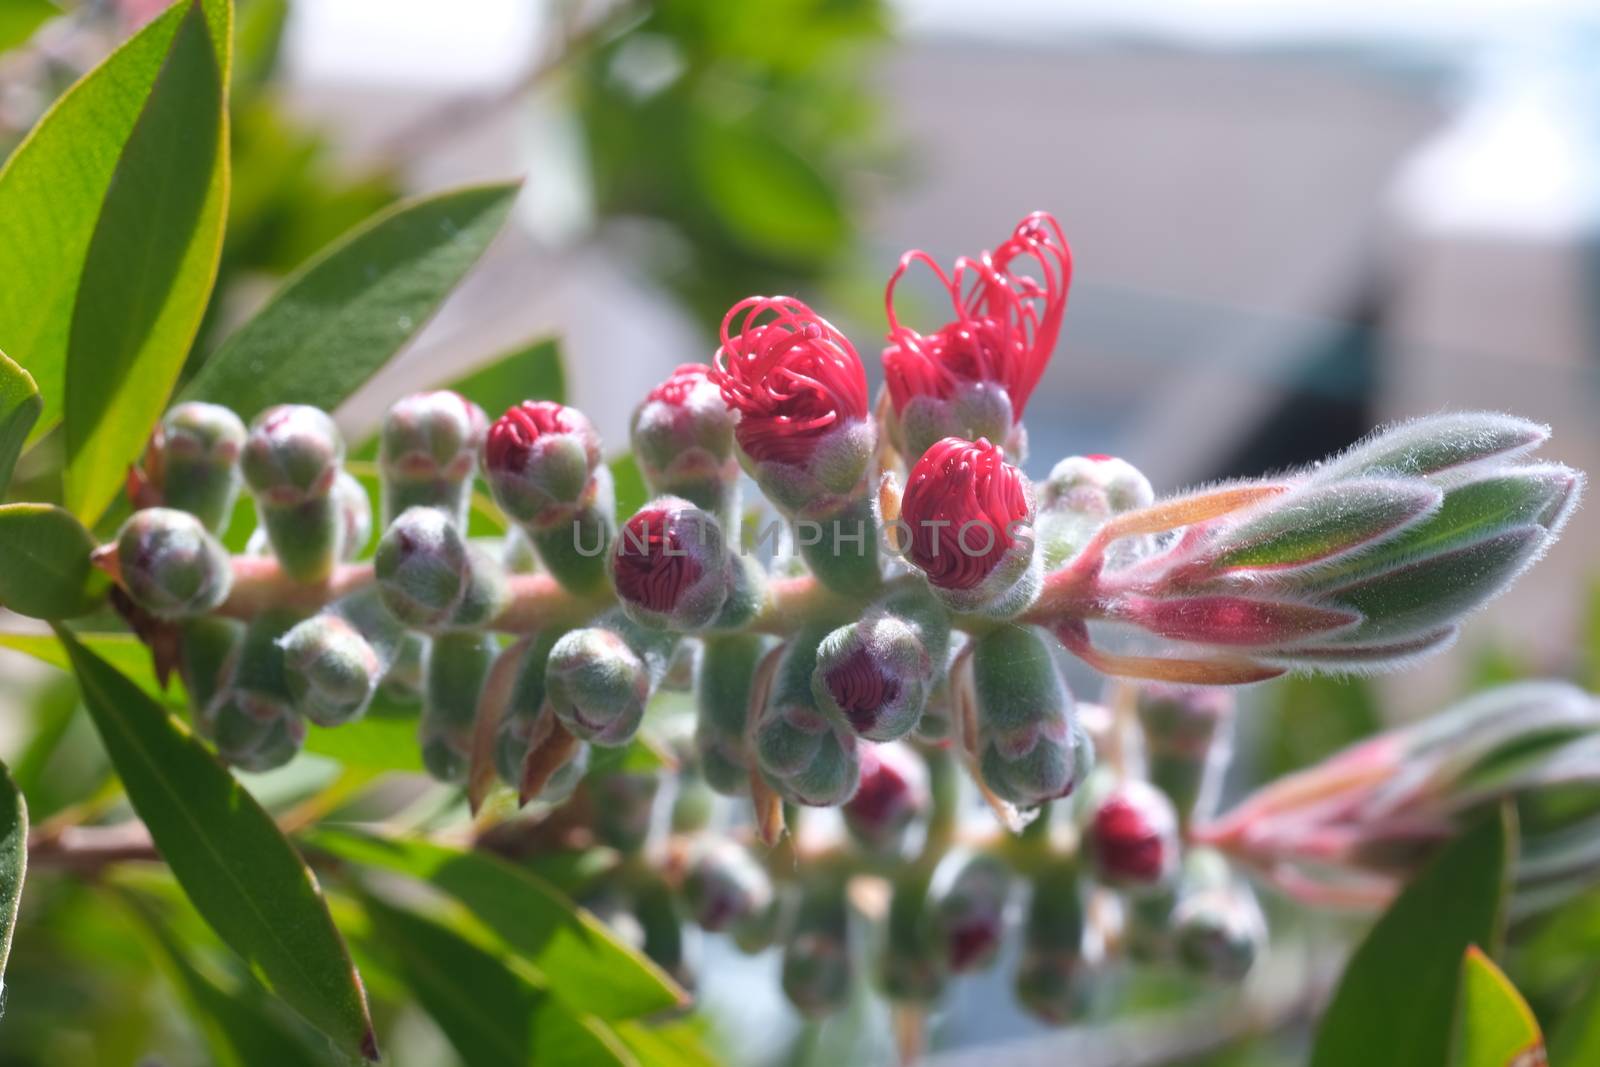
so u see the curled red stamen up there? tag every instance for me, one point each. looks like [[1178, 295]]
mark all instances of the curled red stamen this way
[[675, 390], [792, 377], [1006, 322], [961, 502], [861, 690], [511, 438], [655, 563]]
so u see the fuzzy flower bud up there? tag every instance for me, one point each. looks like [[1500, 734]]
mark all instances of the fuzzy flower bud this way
[[539, 459], [1030, 747], [355, 515], [683, 439], [726, 670], [809, 757], [968, 517], [170, 565], [892, 796], [427, 451], [1081, 493], [973, 376], [251, 717], [331, 670], [670, 566], [1218, 933], [1050, 981], [801, 394], [431, 578], [195, 459], [1132, 837], [875, 675], [1185, 735], [816, 960], [969, 892], [725, 886], [912, 967], [598, 679], [291, 461]]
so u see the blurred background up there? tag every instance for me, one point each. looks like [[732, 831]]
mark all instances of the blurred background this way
[[1292, 221]]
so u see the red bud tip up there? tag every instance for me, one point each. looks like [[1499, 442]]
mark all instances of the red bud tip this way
[[962, 503], [654, 561], [512, 437]]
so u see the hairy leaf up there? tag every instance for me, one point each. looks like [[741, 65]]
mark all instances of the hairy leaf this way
[[1307, 527], [1440, 443], [341, 316], [44, 563], [148, 270], [242, 875]]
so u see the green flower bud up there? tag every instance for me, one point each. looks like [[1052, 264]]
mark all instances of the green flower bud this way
[[1081, 493], [912, 966], [599, 678], [458, 664], [1185, 735], [252, 720], [726, 668], [355, 515], [403, 681], [331, 670], [427, 452], [208, 650], [431, 578], [725, 886], [809, 757], [291, 461], [170, 565], [816, 960], [1053, 988], [663, 931], [683, 439], [1030, 748], [1219, 932], [195, 460], [969, 894]]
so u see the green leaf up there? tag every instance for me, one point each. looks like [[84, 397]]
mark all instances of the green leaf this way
[[13, 860], [44, 563], [631, 491], [148, 271], [768, 197], [341, 316], [1438, 443], [51, 190], [124, 652], [241, 874], [1576, 1038], [531, 372], [1307, 527], [19, 410], [19, 18], [676, 1044], [1494, 1025], [1396, 1001], [587, 966], [490, 1013]]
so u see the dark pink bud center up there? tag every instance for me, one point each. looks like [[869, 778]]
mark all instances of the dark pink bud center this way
[[654, 564], [862, 690], [1129, 844], [513, 436]]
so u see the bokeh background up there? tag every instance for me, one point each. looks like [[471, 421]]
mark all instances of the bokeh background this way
[[1293, 220]]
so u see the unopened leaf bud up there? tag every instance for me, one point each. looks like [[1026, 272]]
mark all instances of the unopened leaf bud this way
[[539, 459], [331, 670], [431, 578], [725, 886], [892, 796], [969, 893], [670, 566], [808, 756], [427, 451], [683, 439], [291, 461], [196, 459], [1030, 747], [817, 969], [1132, 837], [170, 565]]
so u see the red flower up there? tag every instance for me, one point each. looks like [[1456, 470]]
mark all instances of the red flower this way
[[654, 561], [514, 435], [962, 503], [1006, 323], [792, 378]]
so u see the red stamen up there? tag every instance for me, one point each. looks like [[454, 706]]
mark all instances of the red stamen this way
[[861, 690], [511, 438], [653, 562], [960, 503]]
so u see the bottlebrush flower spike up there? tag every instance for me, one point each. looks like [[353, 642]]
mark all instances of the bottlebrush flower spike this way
[[973, 377], [968, 519], [801, 394], [683, 439], [670, 567]]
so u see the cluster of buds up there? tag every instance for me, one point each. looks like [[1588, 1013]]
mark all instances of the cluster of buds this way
[[932, 605]]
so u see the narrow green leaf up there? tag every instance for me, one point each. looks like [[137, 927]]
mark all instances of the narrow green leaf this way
[[341, 316], [588, 967], [531, 372], [44, 563], [13, 860], [19, 410], [148, 271], [51, 190], [490, 1013], [241, 874], [1435, 444], [19, 18], [1494, 1025], [1396, 1001], [681, 1043], [1576, 1038], [1305, 528], [125, 652]]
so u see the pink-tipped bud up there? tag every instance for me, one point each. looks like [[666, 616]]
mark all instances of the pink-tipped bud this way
[[968, 515], [1132, 837], [683, 438], [875, 674], [893, 794], [1096, 486], [970, 893], [539, 459], [725, 886], [432, 435], [670, 566], [292, 455]]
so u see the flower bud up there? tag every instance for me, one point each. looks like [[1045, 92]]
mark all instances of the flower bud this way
[[969, 895], [624, 808], [1132, 837], [170, 565], [893, 795], [427, 450], [725, 886], [816, 959], [355, 515], [804, 430], [291, 460], [195, 459], [875, 675], [1218, 927], [403, 681], [912, 966], [1185, 735], [600, 678], [809, 757], [251, 719], [937, 724], [970, 519], [431, 578], [670, 566], [683, 439], [1052, 988], [1081, 493], [539, 459], [663, 931], [331, 670], [208, 651], [1030, 747], [457, 666]]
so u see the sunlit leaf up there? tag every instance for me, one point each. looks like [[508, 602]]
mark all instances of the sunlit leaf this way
[[44, 563], [19, 18], [19, 410], [13, 860], [531, 372], [1494, 1026]]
